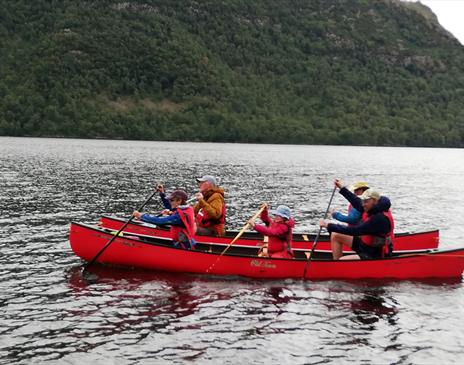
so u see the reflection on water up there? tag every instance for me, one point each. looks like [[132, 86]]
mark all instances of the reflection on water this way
[[372, 307], [172, 293], [48, 313]]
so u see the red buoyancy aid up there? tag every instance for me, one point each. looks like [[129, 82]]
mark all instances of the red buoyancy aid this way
[[369, 239], [350, 208], [204, 221], [281, 246], [187, 217]]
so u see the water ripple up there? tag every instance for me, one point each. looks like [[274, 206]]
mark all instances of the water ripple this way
[[49, 314]]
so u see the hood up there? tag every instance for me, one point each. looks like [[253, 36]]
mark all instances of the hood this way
[[383, 205], [290, 223], [212, 191]]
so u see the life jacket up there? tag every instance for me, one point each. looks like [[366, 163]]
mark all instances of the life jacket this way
[[385, 240], [281, 246], [181, 234], [350, 208], [203, 220]]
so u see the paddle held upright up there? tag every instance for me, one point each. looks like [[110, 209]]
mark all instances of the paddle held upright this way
[[318, 234]]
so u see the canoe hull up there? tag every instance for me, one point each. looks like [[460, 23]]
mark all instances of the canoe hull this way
[[86, 241], [402, 242]]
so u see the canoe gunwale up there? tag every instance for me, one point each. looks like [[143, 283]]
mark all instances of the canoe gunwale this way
[[232, 233], [168, 244]]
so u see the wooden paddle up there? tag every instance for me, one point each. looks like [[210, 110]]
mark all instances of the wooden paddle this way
[[239, 234], [318, 234], [91, 262], [191, 200]]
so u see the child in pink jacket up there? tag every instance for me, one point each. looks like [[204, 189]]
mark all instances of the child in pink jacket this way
[[279, 230]]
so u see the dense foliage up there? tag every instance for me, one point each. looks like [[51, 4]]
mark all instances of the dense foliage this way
[[374, 72]]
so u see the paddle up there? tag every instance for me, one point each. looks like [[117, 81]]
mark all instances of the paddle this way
[[239, 234], [318, 234], [91, 262], [191, 200]]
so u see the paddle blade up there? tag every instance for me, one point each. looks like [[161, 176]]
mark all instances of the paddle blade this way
[[89, 277]]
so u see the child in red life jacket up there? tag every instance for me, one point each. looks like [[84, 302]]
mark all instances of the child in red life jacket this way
[[279, 230], [180, 217]]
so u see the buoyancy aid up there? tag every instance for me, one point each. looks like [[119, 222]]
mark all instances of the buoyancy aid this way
[[386, 239], [364, 217], [187, 217], [281, 246], [350, 208], [204, 221]]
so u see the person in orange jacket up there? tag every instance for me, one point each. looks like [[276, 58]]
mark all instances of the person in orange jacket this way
[[210, 209]]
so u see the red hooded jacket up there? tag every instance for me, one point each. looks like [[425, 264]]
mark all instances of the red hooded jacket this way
[[280, 235]]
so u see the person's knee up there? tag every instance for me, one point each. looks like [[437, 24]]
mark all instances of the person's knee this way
[[335, 237], [342, 239]]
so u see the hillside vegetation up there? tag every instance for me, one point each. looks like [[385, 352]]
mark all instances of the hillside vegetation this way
[[364, 72]]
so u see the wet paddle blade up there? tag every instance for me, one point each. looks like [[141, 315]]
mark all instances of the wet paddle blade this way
[[89, 277]]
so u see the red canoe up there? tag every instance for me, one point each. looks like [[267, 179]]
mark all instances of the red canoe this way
[[158, 254], [402, 242]]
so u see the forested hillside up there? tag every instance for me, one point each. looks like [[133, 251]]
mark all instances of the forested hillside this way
[[376, 72]]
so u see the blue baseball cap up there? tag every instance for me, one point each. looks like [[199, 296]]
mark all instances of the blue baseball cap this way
[[282, 211]]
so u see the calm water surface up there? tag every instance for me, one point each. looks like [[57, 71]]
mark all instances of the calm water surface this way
[[49, 315]]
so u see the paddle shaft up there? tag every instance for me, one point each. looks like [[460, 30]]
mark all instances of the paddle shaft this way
[[191, 200], [239, 234], [318, 234], [91, 262]]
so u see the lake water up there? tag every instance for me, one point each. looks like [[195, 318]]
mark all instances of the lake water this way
[[49, 315]]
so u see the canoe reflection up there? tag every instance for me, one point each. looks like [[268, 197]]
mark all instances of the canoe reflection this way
[[152, 293], [373, 306]]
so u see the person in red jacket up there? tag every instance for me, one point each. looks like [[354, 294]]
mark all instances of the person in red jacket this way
[[279, 230]]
